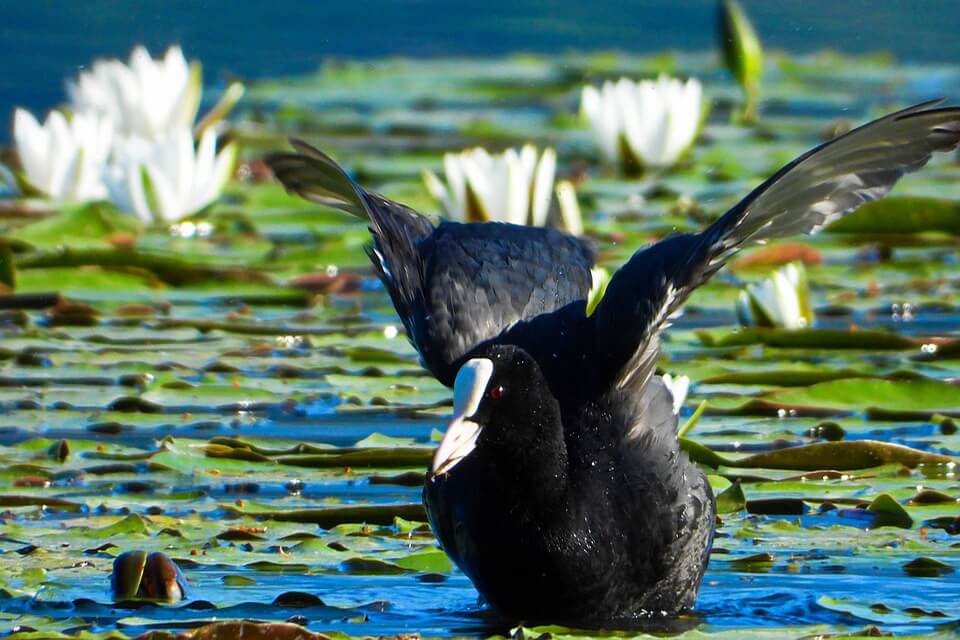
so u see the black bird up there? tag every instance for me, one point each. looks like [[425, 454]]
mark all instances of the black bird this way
[[559, 487]]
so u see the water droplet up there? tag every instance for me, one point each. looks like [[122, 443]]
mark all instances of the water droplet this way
[[184, 229]]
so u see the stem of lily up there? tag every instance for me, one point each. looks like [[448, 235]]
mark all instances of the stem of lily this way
[[222, 109], [749, 115], [692, 420]]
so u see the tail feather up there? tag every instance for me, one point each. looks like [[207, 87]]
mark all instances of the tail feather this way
[[315, 176]]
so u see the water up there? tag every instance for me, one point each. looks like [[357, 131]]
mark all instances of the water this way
[[211, 416], [47, 40], [815, 576]]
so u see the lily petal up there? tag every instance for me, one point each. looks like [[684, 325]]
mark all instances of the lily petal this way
[[542, 191], [515, 186], [657, 119]]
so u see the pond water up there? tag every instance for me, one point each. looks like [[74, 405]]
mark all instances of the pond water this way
[[50, 40], [232, 401]]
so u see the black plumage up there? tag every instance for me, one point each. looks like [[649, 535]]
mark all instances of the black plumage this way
[[560, 488], [453, 285]]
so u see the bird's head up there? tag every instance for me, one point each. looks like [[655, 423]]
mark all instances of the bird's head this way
[[501, 404]]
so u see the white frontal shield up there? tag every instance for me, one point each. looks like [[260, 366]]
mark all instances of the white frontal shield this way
[[461, 436]]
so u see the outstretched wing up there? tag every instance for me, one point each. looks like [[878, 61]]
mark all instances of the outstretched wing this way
[[397, 230], [456, 285], [315, 176], [814, 190]]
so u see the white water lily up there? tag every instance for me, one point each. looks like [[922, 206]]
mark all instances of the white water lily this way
[[782, 300], [168, 179], [514, 186], [678, 389], [146, 97], [63, 158], [650, 123]]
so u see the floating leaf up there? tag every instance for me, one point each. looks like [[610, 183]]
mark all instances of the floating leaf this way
[[47, 502], [810, 339], [927, 567], [843, 455], [755, 562], [251, 631], [929, 496], [427, 562], [238, 581], [132, 524], [701, 454], [731, 499], [902, 215], [371, 567], [890, 513], [331, 517], [297, 600], [926, 397], [79, 226]]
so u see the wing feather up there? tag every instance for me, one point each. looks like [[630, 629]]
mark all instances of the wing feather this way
[[816, 189], [456, 285]]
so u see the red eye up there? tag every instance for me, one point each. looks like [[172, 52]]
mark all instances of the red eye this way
[[496, 392]]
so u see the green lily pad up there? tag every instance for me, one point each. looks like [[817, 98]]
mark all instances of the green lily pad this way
[[927, 567], [902, 214], [731, 499], [809, 339], [890, 513], [842, 455], [926, 397], [80, 226]]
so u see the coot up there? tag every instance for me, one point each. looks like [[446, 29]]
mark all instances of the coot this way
[[559, 487]]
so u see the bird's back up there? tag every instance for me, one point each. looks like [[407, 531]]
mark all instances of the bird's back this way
[[454, 285], [480, 279]]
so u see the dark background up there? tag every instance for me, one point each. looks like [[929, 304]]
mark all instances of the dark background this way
[[43, 42]]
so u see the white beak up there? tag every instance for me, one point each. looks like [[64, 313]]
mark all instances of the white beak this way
[[461, 436]]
